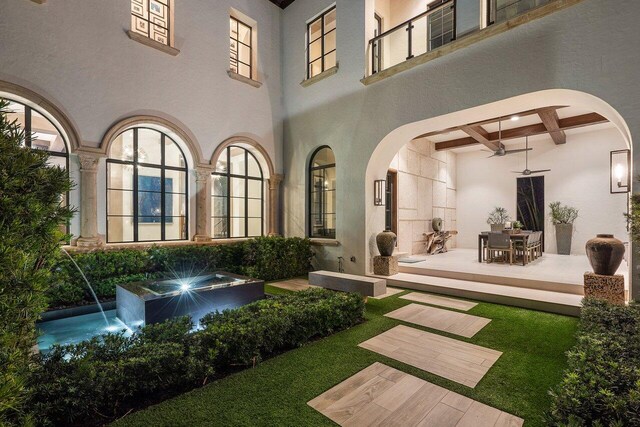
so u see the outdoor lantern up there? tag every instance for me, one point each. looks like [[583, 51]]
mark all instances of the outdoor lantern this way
[[620, 176], [379, 187]]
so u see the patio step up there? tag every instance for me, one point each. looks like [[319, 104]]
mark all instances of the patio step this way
[[536, 299], [503, 279]]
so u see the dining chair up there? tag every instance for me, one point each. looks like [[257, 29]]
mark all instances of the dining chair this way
[[500, 245]]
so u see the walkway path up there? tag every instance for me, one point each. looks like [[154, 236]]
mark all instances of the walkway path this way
[[381, 395]]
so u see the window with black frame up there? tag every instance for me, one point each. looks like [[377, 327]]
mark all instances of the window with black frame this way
[[152, 19], [41, 134], [322, 194], [147, 187], [237, 195], [321, 43], [240, 47], [503, 10]]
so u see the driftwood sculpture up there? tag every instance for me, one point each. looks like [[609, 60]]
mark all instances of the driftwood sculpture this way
[[436, 241]]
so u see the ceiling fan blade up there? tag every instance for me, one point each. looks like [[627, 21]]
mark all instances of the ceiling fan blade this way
[[520, 150], [541, 170], [520, 172]]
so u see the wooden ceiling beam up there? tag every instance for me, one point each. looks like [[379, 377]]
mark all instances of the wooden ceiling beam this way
[[487, 122], [529, 130], [482, 136], [550, 119]]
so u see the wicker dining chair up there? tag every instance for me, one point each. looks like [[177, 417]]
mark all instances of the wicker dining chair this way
[[500, 245]]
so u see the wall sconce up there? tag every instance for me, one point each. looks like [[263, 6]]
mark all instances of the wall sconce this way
[[620, 171], [379, 190]]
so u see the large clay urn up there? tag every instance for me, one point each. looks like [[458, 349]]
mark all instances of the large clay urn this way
[[605, 254], [386, 242], [436, 224]]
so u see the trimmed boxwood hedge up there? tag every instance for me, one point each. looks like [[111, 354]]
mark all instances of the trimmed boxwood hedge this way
[[96, 381], [601, 387], [267, 258]]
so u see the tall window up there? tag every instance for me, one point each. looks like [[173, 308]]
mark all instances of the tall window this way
[[322, 194], [237, 195], [321, 43], [240, 36], [152, 18], [503, 10], [147, 187]]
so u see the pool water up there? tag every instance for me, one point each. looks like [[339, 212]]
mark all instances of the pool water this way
[[73, 330]]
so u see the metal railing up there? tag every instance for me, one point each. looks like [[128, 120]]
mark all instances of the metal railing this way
[[434, 28], [418, 35]]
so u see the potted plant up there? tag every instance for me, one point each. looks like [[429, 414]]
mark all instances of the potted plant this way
[[517, 226], [497, 218], [563, 217]]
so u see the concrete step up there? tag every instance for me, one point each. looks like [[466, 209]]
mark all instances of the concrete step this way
[[536, 299]]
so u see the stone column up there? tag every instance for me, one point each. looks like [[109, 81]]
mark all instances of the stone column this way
[[89, 201], [203, 205], [274, 203]]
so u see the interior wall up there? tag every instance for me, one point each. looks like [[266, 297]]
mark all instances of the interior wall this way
[[579, 177], [426, 190]]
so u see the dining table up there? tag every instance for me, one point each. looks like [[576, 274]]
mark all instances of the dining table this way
[[483, 240]]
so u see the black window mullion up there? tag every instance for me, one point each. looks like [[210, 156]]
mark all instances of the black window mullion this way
[[135, 185], [27, 126], [228, 192], [162, 190], [246, 194], [322, 43]]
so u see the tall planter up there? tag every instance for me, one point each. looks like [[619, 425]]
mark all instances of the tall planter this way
[[605, 254], [564, 234]]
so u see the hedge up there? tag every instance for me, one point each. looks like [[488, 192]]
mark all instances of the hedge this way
[[601, 387], [267, 258], [96, 381]]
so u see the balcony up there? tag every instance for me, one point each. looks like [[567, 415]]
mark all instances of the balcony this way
[[442, 27]]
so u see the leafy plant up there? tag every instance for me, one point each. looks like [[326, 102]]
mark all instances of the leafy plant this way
[[267, 258], [633, 217], [517, 225], [562, 214], [96, 381], [498, 216], [30, 220], [601, 386]]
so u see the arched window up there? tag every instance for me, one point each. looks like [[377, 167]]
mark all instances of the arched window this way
[[322, 194], [147, 187], [237, 195]]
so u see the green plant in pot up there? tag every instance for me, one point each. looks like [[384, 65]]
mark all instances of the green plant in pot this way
[[563, 217], [517, 226], [497, 219]]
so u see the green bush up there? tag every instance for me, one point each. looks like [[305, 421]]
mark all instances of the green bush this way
[[601, 387], [96, 381], [267, 258], [30, 220]]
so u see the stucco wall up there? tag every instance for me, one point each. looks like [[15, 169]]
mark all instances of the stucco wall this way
[[579, 177], [76, 54], [564, 50]]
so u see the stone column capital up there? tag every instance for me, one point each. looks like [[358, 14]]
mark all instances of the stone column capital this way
[[202, 174], [88, 162], [275, 180]]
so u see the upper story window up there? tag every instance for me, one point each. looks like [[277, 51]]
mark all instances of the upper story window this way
[[503, 10], [240, 39], [153, 19], [322, 194], [321, 43], [237, 195], [147, 185]]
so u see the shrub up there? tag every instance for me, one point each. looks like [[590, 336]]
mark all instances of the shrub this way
[[98, 380], [267, 258], [601, 387], [30, 220]]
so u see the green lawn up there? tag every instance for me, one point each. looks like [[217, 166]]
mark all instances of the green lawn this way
[[276, 391]]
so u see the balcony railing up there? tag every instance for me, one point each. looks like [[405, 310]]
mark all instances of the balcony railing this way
[[440, 24]]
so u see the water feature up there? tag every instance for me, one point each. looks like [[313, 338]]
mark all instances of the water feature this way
[[93, 294], [146, 302]]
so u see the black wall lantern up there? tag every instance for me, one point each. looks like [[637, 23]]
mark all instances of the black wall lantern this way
[[620, 171], [379, 187]]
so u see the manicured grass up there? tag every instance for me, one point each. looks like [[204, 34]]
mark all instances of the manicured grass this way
[[276, 391]]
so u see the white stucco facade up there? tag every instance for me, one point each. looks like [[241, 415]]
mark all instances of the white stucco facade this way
[[77, 55]]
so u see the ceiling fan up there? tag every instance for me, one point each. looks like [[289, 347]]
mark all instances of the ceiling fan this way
[[527, 171], [500, 152]]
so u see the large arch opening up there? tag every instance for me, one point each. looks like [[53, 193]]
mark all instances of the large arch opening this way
[[443, 171]]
